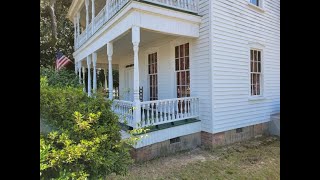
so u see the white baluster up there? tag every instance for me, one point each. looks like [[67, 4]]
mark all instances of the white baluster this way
[[157, 106], [148, 117], [152, 119]]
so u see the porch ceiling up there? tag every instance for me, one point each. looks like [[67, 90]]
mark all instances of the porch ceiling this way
[[123, 45]]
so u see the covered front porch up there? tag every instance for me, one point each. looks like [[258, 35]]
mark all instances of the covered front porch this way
[[153, 57]]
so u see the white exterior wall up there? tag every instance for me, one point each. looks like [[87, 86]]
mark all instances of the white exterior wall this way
[[234, 24], [201, 67]]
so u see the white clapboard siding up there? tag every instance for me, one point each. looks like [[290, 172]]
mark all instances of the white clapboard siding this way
[[234, 24], [200, 65]]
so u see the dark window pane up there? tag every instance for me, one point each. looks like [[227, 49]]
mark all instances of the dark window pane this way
[[178, 78], [255, 55], [187, 49], [188, 91], [156, 68], [259, 55], [254, 78], [254, 67], [177, 52], [183, 78], [181, 51], [149, 69], [187, 63], [183, 91], [149, 59], [156, 57], [258, 78], [259, 66], [177, 64], [188, 78], [251, 55], [178, 91], [251, 66], [258, 89], [181, 63]]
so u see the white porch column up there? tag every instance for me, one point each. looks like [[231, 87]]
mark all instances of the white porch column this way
[[94, 60], [87, 15], [76, 67], [79, 70], [84, 78], [109, 53], [75, 30], [78, 24], [93, 14], [89, 74], [136, 100], [105, 79]]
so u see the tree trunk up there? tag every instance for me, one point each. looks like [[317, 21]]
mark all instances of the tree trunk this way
[[53, 20]]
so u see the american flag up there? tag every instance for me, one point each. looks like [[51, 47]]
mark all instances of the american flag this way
[[61, 60]]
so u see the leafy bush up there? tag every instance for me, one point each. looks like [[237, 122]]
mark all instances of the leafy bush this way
[[62, 77], [88, 143]]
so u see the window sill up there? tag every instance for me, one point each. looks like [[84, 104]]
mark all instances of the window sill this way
[[254, 98], [256, 7]]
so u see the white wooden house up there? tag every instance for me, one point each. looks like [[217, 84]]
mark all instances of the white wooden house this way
[[209, 69]]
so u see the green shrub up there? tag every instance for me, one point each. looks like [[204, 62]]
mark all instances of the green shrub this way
[[62, 77], [88, 143]]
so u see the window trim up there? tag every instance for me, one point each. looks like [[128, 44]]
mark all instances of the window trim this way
[[148, 76], [259, 8], [173, 45], [260, 47]]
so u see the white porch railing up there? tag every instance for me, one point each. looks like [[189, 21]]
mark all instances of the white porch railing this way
[[124, 110], [114, 6], [157, 112], [168, 110], [185, 5]]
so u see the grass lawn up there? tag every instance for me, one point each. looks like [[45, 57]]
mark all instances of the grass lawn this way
[[255, 159]]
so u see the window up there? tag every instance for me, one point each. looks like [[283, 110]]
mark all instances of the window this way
[[255, 2], [153, 76], [255, 72], [182, 67]]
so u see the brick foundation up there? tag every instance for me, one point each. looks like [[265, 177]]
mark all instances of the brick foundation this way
[[163, 148], [232, 136], [192, 141]]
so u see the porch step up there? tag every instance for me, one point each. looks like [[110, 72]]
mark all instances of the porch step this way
[[274, 124]]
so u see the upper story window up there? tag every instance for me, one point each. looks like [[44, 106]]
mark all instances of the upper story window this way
[[255, 2], [255, 72], [257, 5]]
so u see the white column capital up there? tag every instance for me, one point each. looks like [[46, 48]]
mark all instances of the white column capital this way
[[89, 61], [109, 49], [86, 3], [135, 35], [94, 59]]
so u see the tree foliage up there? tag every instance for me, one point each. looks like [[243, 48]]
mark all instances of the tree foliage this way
[[56, 31]]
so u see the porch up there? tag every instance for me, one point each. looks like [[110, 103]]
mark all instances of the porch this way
[[153, 60]]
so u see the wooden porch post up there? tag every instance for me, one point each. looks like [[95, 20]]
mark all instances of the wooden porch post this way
[[93, 15], [109, 53], [94, 60], [84, 78], [87, 15], [136, 100], [89, 74], [79, 70], [105, 79]]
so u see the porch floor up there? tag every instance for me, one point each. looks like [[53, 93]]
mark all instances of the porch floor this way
[[162, 126]]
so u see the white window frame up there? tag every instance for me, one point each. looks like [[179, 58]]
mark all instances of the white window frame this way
[[173, 44], [261, 48], [157, 74], [260, 6]]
